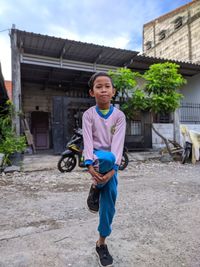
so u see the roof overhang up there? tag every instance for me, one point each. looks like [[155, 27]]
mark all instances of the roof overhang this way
[[141, 63], [50, 61], [64, 63], [47, 60]]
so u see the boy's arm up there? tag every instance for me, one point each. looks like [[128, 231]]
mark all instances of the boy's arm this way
[[118, 139], [87, 139]]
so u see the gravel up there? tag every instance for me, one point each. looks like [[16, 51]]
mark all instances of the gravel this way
[[44, 220]]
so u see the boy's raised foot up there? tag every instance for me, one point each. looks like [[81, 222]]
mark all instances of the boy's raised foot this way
[[93, 199]]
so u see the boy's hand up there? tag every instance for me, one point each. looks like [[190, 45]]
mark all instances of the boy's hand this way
[[98, 177], [95, 175], [107, 176]]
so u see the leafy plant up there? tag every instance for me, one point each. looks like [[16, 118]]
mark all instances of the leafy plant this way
[[124, 80], [138, 102], [9, 142], [163, 78], [157, 95]]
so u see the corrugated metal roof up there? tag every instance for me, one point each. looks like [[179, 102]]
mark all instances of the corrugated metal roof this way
[[56, 48], [142, 63], [48, 46]]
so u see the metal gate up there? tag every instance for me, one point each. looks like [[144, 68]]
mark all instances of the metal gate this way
[[138, 134], [67, 115]]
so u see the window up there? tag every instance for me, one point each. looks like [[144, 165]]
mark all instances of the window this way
[[148, 45], [162, 118], [178, 22], [136, 128], [162, 35]]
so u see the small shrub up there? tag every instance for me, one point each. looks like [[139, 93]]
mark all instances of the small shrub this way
[[9, 142]]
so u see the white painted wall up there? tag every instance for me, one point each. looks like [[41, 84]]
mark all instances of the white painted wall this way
[[166, 129], [191, 90]]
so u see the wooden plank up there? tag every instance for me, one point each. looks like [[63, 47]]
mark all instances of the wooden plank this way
[[28, 135]]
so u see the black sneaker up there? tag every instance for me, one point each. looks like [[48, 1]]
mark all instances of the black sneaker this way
[[93, 199], [105, 259]]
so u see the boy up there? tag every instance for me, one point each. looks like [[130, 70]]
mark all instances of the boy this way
[[104, 129]]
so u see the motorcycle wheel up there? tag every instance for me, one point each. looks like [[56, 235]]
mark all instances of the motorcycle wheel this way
[[66, 163], [185, 155], [124, 162]]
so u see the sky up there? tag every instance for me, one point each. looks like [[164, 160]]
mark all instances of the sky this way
[[114, 23]]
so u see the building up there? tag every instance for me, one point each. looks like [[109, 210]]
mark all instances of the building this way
[[175, 35], [3, 92], [50, 76], [50, 83], [8, 85]]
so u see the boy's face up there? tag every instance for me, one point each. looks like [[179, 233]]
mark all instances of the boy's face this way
[[103, 91]]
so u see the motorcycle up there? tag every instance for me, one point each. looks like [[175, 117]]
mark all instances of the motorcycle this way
[[74, 151], [187, 152], [187, 148]]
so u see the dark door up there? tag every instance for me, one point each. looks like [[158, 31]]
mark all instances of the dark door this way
[[40, 129], [67, 115]]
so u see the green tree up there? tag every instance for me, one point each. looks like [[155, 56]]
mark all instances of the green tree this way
[[158, 94], [9, 142]]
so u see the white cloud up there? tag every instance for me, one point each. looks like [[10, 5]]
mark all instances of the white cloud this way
[[62, 32], [4, 7], [118, 41], [5, 55]]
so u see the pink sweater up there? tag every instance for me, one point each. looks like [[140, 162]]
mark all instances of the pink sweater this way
[[103, 132]]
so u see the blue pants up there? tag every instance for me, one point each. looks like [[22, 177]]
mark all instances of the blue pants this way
[[105, 162]]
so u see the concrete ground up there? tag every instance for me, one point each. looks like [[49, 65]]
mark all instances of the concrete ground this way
[[47, 161], [44, 220]]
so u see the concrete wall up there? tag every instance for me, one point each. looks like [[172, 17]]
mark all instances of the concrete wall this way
[[191, 90], [35, 98], [166, 129], [181, 43]]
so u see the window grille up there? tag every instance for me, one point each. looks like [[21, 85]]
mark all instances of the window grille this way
[[162, 118], [190, 113], [136, 128]]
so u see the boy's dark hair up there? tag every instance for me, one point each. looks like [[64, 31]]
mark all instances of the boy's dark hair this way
[[95, 75]]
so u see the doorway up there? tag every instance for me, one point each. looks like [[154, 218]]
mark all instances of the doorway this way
[[40, 129], [67, 115]]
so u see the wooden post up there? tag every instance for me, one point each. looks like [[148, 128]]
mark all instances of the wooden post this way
[[16, 79]]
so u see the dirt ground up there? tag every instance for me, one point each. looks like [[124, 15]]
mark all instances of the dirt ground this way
[[44, 220]]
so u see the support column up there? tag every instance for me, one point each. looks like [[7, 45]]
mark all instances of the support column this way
[[189, 37], [177, 137], [16, 79], [154, 38]]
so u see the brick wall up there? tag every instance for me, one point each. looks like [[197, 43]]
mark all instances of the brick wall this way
[[36, 98], [182, 43]]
